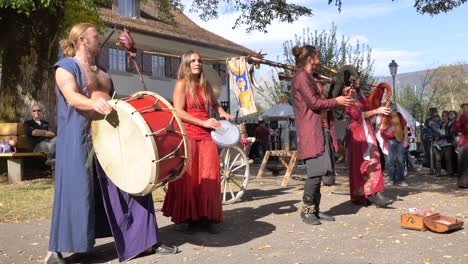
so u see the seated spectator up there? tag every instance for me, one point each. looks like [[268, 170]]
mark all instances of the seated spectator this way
[[40, 136], [8, 146]]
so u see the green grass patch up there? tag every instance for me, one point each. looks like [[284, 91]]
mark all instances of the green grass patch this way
[[28, 200], [32, 200]]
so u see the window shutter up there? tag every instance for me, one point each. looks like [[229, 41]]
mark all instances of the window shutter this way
[[147, 64], [103, 59], [174, 67], [167, 67], [222, 73], [138, 61]]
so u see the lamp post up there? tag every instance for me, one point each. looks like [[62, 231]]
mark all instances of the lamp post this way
[[393, 66]]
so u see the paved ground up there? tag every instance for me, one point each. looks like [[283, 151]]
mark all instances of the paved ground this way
[[265, 228]]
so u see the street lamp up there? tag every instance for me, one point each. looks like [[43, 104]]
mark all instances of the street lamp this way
[[393, 66]]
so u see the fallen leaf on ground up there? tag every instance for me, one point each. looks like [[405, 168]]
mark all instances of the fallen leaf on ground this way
[[264, 247]]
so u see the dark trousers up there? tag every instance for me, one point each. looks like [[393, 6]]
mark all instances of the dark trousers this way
[[444, 154], [312, 193], [463, 167], [396, 163]]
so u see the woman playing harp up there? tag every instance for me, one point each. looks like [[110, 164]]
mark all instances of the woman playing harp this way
[[366, 180]]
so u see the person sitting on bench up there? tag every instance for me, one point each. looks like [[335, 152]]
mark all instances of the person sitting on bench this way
[[40, 136], [8, 146]]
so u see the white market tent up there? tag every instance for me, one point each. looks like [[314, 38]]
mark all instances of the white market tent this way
[[279, 112]]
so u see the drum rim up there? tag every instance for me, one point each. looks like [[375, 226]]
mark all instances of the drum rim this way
[[227, 145]]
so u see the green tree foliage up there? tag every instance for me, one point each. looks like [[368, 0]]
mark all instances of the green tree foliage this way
[[410, 99], [335, 52], [257, 15], [444, 88], [29, 48], [431, 7], [450, 87], [32, 29], [272, 91]]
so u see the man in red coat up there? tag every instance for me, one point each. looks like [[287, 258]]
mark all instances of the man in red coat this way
[[314, 142]]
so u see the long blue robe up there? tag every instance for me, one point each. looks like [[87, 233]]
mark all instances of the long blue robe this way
[[73, 228]]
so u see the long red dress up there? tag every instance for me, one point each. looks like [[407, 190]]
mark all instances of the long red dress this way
[[197, 194], [365, 174]]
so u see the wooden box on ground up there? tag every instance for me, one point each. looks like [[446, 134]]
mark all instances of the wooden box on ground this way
[[413, 221], [441, 224]]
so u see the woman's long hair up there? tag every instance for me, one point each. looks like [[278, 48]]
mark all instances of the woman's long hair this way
[[192, 82], [70, 44]]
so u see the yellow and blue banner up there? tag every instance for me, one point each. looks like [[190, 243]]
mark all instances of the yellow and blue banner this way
[[240, 84]]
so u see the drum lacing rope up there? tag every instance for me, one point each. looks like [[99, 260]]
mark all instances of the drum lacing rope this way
[[169, 128], [172, 154], [152, 108]]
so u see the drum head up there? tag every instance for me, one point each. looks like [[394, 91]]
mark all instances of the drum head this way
[[227, 135], [127, 155]]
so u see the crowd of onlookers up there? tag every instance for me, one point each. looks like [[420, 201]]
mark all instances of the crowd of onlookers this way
[[444, 146], [445, 141]]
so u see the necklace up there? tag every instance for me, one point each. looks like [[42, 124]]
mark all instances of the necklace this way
[[93, 68]]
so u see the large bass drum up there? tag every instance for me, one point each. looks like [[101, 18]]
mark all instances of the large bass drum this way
[[142, 144]]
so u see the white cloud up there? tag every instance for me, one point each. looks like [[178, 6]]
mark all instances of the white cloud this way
[[461, 35], [324, 16], [358, 38], [407, 60]]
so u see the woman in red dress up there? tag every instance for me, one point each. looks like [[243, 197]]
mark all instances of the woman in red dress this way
[[196, 197], [366, 180]]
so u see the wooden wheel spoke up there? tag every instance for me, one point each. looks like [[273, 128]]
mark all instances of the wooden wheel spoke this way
[[236, 183], [233, 185], [235, 160]]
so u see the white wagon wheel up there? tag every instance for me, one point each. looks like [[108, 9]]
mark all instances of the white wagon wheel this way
[[235, 173]]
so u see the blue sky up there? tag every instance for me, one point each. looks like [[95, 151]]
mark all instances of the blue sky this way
[[394, 30]]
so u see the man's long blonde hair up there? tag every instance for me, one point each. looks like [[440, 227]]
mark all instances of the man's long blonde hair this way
[[70, 44], [191, 82]]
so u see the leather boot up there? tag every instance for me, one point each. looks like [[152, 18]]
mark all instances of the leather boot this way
[[311, 201], [317, 199], [324, 216], [380, 200], [308, 215]]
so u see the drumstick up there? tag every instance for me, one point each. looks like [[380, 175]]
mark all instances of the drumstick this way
[[91, 151]]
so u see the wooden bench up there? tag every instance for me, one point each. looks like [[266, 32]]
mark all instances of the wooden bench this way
[[15, 161]]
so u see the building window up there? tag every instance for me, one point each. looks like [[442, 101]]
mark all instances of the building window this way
[[158, 66], [127, 8], [117, 60]]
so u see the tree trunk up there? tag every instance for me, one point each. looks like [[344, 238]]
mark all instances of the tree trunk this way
[[30, 48]]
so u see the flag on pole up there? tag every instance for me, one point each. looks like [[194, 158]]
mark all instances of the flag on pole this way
[[241, 86]]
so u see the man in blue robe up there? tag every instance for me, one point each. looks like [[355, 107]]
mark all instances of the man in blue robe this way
[[82, 93]]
